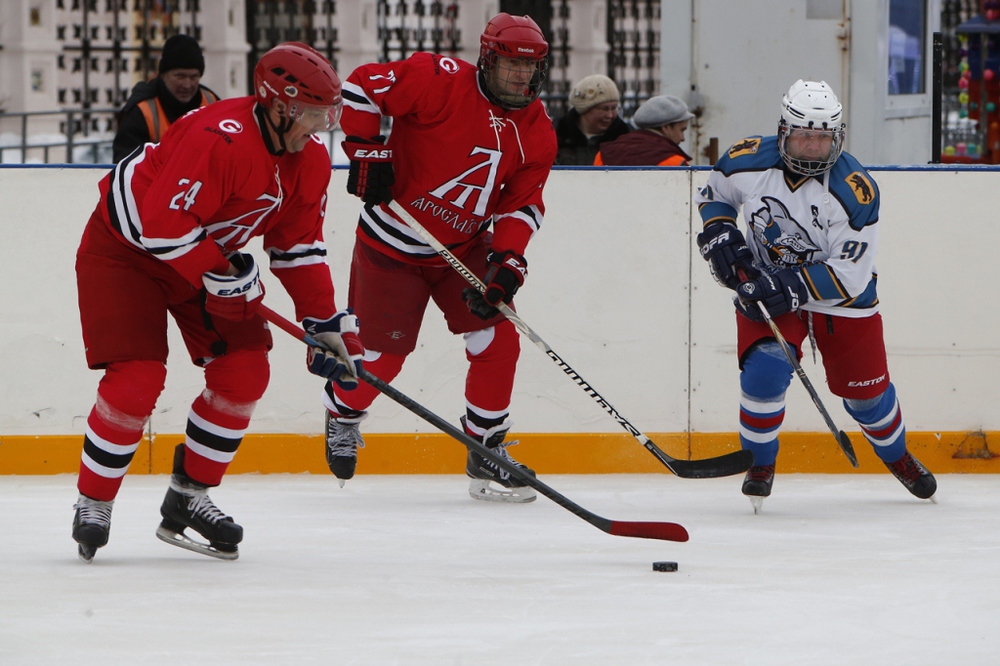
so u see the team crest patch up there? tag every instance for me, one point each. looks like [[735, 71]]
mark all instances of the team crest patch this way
[[744, 147], [862, 187]]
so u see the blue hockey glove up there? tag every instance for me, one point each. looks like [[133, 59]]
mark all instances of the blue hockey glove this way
[[780, 293], [725, 249], [341, 362]]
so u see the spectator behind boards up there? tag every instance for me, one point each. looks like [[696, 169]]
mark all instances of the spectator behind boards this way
[[155, 104], [662, 121], [592, 121]]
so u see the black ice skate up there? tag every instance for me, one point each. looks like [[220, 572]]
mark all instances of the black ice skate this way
[[342, 442], [491, 483], [187, 504], [914, 476], [757, 484], [91, 526]]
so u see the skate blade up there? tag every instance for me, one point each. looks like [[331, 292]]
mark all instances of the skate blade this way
[[758, 503], [481, 489], [341, 482], [181, 540], [86, 552]]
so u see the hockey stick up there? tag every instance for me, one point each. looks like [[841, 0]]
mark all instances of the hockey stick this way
[[641, 530], [838, 434], [736, 462]]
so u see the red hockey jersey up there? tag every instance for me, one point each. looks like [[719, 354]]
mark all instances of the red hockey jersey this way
[[459, 160], [210, 186]]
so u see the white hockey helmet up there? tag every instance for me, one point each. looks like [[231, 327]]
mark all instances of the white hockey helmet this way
[[812, 107]]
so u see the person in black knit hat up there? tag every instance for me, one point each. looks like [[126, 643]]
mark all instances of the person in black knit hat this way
[[155, 104]]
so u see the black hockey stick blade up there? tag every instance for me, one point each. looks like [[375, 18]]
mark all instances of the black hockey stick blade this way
[[729, 464], [847, 447], [640, 530]]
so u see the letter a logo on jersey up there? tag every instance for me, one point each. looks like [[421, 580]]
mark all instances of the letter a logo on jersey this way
[[478, 180]]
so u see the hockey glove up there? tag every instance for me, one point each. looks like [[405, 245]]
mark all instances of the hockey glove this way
[[234, 296], [504, 276], [780, 293], [725, 249], [371, 176], [341, 361]]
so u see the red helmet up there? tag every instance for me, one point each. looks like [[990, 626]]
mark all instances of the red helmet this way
[[303, 79], [515, 38]]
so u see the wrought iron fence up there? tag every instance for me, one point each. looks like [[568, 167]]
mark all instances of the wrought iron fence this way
[[109, 45], [84, 137]]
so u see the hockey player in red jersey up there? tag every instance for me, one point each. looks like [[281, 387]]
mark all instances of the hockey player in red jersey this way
[[469, 145], [166, 239]]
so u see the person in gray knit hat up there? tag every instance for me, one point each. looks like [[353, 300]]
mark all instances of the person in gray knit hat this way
[[155, 104], [662, 121], [592, 120]]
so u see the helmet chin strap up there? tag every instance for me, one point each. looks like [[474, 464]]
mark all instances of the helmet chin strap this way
[[280, 129]]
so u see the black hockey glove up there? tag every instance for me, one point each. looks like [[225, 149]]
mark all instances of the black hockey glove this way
[[725, 249], [780, 293], [371, 176], [504, 277]]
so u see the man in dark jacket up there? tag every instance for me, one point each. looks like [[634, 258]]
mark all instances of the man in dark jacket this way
[[592, 120], [155, 104], [662, 121]]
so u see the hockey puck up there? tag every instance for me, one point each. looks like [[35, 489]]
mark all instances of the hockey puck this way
[[664, 566]]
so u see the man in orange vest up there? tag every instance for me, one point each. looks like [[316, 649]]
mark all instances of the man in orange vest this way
[[155, 104]]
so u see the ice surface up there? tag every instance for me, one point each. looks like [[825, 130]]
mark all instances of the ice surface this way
[[837, 569]]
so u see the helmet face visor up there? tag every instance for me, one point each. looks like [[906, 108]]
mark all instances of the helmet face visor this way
[[516, 82], [316, 118], [810, 151]]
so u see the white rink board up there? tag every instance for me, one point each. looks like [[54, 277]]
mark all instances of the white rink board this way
[[609, 288]]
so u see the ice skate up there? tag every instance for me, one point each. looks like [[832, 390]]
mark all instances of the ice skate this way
[[342, 442], [488, 481], [914, 476], [187, 504], [757, 485], [91, 526]]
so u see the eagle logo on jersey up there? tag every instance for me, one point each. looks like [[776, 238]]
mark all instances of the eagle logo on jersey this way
[[787, 243], [744, 147], [862, 187]]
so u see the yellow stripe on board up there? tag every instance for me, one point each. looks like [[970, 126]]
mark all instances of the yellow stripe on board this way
[[590, 453]]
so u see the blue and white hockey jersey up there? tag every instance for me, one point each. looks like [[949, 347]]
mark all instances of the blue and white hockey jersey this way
[[823, 225]]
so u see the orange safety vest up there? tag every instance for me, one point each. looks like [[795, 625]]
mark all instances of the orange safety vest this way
[[156, 119], [673, 160]]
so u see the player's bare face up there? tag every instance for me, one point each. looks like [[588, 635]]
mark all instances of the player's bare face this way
[[810, 145], [182, 83], [597, 119]]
